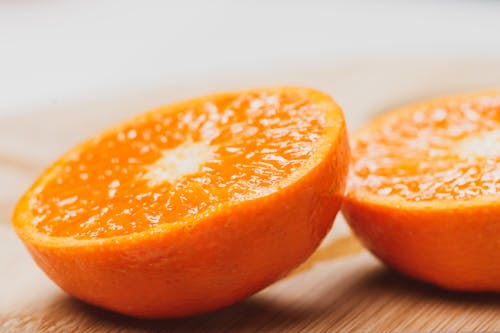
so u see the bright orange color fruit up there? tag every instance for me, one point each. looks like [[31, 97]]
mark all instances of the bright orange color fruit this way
[[192, 206], [423, 192]]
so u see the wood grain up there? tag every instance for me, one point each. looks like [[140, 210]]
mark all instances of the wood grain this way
[[340, 288]]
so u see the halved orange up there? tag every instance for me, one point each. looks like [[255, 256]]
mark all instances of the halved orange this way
[[423, 192], [192, 206]]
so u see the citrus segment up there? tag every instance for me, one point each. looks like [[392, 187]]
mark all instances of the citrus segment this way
[[169, 165], [192, 206], [424, 190], [447, 151]]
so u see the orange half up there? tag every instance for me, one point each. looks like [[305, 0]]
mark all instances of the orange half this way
[[424, 190], [192, 206]]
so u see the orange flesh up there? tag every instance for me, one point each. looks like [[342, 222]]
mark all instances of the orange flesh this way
[[256, 140], [449, 151]]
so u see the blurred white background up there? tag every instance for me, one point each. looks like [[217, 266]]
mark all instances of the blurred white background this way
[[55, 52]]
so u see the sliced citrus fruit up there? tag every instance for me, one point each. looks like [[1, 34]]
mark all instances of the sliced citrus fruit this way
[[192, 206], [424, 190]]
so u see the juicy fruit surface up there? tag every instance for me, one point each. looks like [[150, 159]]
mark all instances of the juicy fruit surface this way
[[169, 165], [440, 151]]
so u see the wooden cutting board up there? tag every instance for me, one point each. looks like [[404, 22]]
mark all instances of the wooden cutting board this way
[[340, 288]]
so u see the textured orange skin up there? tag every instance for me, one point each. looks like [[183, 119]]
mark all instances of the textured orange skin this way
[[455, 248], [189, 269]]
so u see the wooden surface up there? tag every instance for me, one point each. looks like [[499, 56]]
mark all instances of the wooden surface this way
[[340, 288]]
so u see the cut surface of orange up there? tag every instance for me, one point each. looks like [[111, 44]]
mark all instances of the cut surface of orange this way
[[424, 190], [192, 206]]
